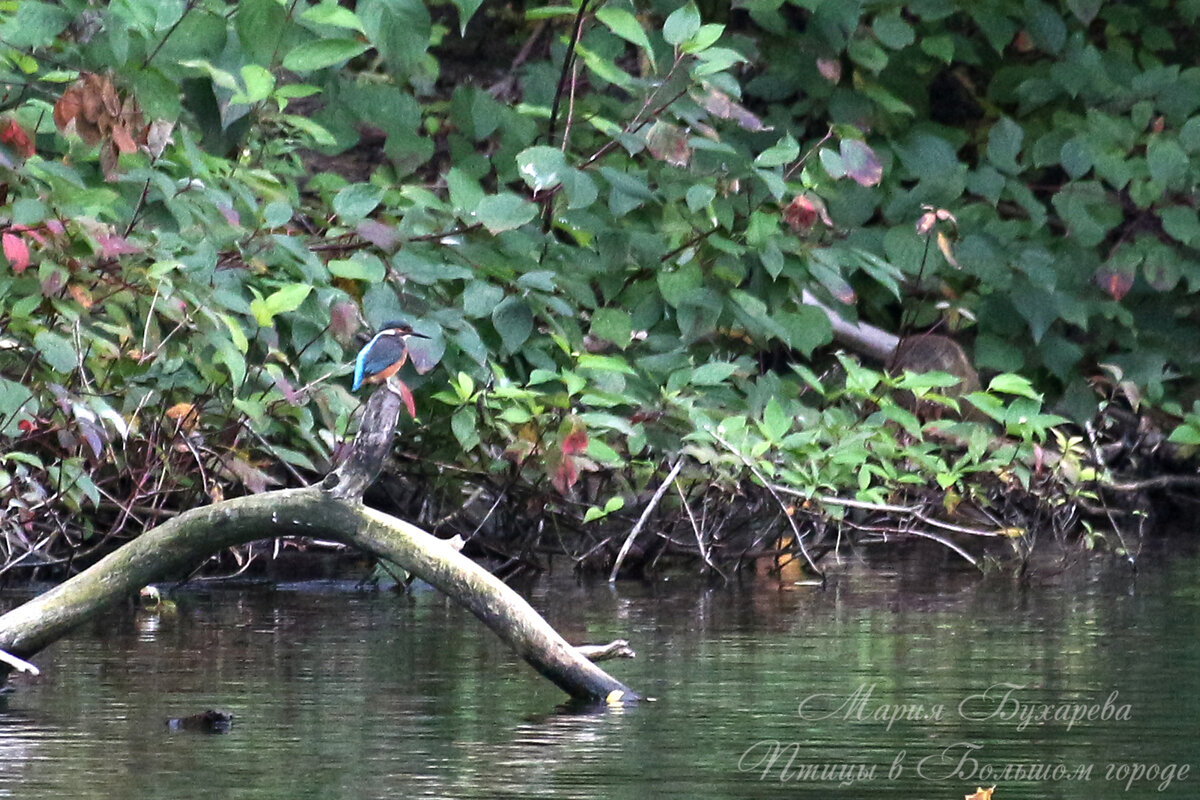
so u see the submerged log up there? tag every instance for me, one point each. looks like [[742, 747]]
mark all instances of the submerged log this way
[[331, 511]]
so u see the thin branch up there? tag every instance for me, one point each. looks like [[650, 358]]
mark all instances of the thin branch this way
[[696, 530], [637, 528], [771, 488]]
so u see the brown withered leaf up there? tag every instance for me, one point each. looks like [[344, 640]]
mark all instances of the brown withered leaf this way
[[722, 105], [669, 143], [108, 161], [981, 794], [943, 242], [80, 295], [93, 106], [184, 415]]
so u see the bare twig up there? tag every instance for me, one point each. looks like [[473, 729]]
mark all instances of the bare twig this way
[[696, 529], [637, 528]]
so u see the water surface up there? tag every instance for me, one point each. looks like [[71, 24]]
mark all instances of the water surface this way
[[890, 682]]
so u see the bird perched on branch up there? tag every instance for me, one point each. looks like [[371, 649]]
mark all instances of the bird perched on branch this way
[[382, 358]]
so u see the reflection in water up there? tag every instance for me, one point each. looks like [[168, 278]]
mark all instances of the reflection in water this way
[[881, 682]]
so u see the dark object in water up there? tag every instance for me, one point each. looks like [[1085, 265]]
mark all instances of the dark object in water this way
[[209, 721]]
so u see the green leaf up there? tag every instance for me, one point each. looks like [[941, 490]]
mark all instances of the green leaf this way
[[716, 59], [513, 321], [281, 301], [463, 425], [322, 53], [580, 188], [480, 298], [939, 46], [1181, 224], [625, 24], [14, 398], [807, 328], [601, 363], [362, 267], [1189, 135], [892, 31], [712, 373], [34, 25], [330, 13], [541, 167], [236, 334], [612, 324], [1186, 434], [682, 24], [356, 201], [503, 212], [776, 422], [233, 360], [785, 151], [699, 196], [1009, 383], [1004, 145], [56, 351], [705, 38], [1076, 157], [1085, 10], [1167, 161], [259, 85], [466, 10]]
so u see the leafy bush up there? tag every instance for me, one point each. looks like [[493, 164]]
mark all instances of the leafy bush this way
[[604, 215]]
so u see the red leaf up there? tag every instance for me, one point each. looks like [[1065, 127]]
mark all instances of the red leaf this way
[[1116, 284], [860, 162], [800, 214], [565, 475], [1116, 278], [407, 396], [15, 137], [575, 442], [16, 251]]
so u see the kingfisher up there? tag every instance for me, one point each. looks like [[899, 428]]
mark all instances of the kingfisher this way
[[384, 355]]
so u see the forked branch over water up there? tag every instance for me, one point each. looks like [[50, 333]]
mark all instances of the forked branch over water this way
[[332, 511]]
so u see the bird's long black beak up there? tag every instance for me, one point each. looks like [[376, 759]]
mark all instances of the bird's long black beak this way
[[418, 335]]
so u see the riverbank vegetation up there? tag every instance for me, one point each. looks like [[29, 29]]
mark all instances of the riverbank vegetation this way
[[621, 226]]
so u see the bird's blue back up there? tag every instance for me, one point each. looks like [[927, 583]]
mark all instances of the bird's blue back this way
[[385, 349]]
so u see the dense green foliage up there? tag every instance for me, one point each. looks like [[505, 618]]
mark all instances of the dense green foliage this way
[[604, 215]]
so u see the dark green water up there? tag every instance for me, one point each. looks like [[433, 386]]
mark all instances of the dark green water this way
[[343, 694]]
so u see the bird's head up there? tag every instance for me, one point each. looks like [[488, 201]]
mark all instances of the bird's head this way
[[401, 329]]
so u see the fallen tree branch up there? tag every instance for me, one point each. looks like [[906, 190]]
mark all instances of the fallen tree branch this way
[[330, 512]]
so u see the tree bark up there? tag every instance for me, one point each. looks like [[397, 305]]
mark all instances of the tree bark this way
[[331, 511]]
